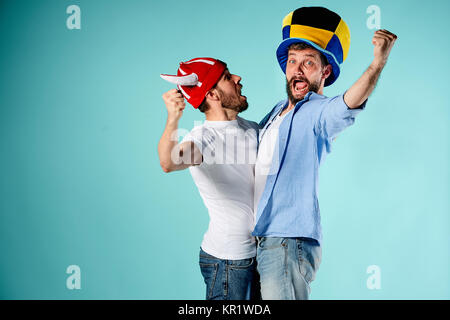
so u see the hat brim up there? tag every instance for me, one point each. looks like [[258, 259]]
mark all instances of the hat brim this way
[[282, 56]]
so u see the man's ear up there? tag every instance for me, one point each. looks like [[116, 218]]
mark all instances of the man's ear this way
[[326, 72], [212, 95]]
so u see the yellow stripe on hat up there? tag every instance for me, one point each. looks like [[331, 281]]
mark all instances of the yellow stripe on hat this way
[[343, 33], [319, 36], [288, 19]]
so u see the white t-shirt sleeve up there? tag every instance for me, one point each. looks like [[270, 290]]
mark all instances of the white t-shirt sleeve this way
[[203, 139], [194, 136]]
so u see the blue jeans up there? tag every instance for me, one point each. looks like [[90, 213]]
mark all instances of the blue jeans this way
[[229, 279], [287, 266]]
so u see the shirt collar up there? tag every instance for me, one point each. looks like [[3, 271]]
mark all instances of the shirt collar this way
[[309, 96]]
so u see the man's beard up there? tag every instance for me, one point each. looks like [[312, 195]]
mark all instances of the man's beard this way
[[314, 87], [232, 102]]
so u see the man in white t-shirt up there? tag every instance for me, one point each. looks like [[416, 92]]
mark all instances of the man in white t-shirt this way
[[220, 155]]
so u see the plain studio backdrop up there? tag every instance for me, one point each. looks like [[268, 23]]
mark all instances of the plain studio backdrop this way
[[85, 202]]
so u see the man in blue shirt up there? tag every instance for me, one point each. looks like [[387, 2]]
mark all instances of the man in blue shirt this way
[[295, 138]]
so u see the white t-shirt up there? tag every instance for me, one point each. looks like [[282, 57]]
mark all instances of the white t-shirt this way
[[225, 180], [267, 150]]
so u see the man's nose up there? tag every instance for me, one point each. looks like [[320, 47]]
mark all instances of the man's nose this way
[[237, 79], [297, 68]]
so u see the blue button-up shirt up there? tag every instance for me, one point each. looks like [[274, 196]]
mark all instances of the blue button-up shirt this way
[[288, 206]]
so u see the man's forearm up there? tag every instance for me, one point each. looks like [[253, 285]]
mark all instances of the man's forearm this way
[[363, 87], [167, 143], [383, 41]]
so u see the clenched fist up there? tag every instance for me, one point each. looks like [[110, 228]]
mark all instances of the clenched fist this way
[[383, 41], [175, 104]]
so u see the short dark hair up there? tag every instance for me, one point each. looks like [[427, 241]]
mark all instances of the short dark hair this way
[[303, 46]]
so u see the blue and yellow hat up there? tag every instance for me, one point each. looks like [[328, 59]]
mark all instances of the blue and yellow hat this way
[[322, 29]]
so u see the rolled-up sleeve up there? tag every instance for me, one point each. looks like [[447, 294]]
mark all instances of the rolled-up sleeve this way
[[335, 116]]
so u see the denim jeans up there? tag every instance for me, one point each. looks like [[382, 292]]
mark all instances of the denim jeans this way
[[229, 279], [287, 266]]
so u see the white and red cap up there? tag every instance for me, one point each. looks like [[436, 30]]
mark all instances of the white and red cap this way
[[195, 77]]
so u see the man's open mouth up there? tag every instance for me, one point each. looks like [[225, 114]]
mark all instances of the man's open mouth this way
[[299, 86]]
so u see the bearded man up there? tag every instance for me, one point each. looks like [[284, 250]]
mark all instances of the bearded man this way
[[220, 155], [297, 135]]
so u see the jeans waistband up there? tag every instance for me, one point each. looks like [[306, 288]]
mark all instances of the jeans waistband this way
[[259, 238]]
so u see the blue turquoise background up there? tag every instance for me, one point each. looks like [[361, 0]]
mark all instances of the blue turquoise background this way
[[81, 116]]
